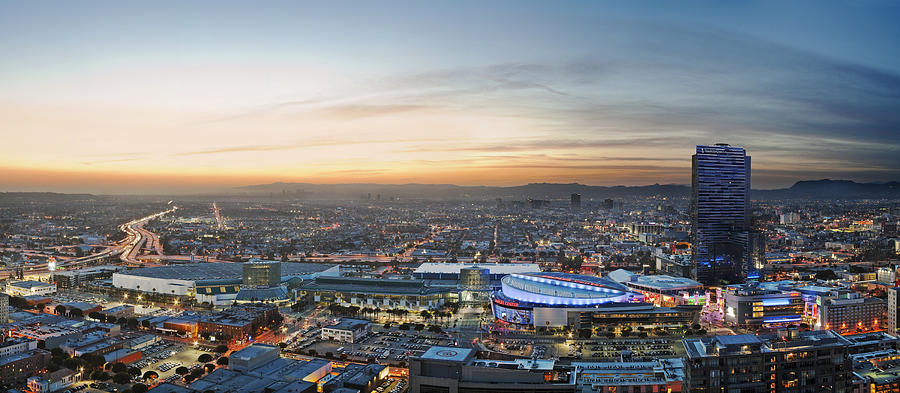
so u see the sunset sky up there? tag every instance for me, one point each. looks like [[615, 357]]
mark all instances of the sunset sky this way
[[121, 97]]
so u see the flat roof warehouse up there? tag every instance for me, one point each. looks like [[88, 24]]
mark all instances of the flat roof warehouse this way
[[220, 270]]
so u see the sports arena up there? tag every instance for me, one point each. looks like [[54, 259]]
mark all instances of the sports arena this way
[[563, 299]]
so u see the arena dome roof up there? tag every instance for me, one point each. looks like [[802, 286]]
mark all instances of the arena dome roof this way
[[564, 289]]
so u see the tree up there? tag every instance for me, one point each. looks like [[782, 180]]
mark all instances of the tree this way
[[132, 323], [138, 388], [60, 310], [136, 371], [151, 375], [221, 348], [42, 344], [197, 372], [826, 275], [204, 358], [96, 315], [222, 361], [75, 313], [146, 324], [182, 370], [121, 378], [209, 367], [118, 367], [100, 375]]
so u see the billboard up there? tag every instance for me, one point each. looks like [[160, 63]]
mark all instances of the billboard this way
[[513, 315]]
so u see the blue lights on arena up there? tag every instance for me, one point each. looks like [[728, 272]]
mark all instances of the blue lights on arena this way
[[776, 302], [789, 318], [562, 290]]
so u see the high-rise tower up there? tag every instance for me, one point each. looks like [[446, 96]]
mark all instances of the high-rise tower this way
[[720, 214]]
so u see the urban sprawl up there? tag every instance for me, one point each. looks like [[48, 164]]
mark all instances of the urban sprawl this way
[[281, 293]]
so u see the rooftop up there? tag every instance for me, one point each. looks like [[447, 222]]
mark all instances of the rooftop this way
[[253, 351], [452, 354], [495, 268], [348, 324], [372, 285], [220, 270], [29, 284]]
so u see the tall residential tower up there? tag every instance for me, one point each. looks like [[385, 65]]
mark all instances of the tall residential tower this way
[[720, 214]]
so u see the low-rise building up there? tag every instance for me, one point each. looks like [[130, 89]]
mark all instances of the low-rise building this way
[[19, 366], [54, 381], [238, 323], [347, 330], [28, 288]]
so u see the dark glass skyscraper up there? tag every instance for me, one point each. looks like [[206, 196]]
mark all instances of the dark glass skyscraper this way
[[720, 214]]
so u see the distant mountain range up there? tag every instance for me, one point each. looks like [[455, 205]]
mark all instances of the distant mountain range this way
[[817, 189]]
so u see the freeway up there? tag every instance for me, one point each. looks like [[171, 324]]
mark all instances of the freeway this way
[[139, 238], [126, 248]]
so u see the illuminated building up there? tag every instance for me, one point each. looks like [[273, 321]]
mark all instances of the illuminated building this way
[[261, 273], [19, 366], [347, 330], [754, 307], [474, 285], [720, 214], [893, 306], [661, 290], [847, 312], [28, 288], [563, 299], [789, 361], [455, 370]]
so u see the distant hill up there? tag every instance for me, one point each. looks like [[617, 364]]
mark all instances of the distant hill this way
[[833, 189], [450, 191], [819, 189]]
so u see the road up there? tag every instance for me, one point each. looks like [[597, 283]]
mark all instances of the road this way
[[139, 238], [126, 248]]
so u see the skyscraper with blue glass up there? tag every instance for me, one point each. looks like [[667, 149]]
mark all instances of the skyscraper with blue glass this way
[[720, 214]]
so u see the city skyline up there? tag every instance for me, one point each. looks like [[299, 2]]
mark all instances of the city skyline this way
[[116, 98]]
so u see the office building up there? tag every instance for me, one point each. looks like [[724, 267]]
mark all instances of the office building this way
[[789, 218], [4, 308], [575, 200], [720, 214], [893, 306], [790, 361]]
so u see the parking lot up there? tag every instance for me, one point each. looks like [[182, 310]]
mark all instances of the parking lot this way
[[391, 385], [166, 356], [644, 349], [391, 346]]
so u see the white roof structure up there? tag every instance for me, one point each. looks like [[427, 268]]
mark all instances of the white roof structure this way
[[495, 268]]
